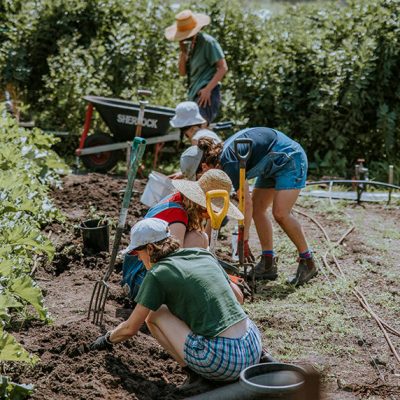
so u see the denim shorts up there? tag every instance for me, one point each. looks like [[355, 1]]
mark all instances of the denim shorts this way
[[284, 167], [210, 112], [221, 358]]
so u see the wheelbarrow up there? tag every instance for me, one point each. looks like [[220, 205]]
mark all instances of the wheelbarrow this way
[[101, 151]]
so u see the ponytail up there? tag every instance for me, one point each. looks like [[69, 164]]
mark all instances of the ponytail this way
[[212, 151]]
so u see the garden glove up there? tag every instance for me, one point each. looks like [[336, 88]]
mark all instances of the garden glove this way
[[102, 343]]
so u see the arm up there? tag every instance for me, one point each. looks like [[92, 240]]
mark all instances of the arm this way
[[183, 56], [237, 292], [178, 231], [205, 93], [130, 327]]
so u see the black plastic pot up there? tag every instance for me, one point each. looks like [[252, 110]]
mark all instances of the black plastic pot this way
[[96, 237], [277, 380], [273, 381]]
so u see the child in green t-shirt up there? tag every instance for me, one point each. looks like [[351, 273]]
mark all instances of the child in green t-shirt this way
[[189, 306]]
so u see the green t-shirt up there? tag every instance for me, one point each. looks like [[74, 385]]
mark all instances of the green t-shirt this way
[[202, 63], [195, 288]]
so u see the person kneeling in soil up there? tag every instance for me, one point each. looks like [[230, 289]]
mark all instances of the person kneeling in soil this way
[[189, 306], [280, 166], [184, 211]]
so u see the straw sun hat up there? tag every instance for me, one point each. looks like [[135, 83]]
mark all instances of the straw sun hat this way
[[210, 180], [187, 24]]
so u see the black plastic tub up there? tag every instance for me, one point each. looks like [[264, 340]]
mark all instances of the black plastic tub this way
[[95, 235]]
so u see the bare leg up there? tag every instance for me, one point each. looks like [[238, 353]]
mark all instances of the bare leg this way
[[284, 201], [262, 200], [170, 332]]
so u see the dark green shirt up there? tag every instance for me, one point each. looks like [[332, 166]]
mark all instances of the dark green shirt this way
[[202, 64], [195, 288]]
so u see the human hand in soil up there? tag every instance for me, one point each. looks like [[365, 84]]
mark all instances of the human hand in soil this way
[[101, 343]]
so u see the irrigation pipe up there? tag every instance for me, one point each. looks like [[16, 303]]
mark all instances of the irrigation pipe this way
[[383, 325], [361, 182]]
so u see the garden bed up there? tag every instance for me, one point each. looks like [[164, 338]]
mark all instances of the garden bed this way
[[321, 324]]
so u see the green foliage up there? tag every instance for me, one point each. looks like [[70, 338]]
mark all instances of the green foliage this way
[[27, 168], [325, 74], [10, 390]]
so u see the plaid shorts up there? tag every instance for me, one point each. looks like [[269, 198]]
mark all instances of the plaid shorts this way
[[220, 358]]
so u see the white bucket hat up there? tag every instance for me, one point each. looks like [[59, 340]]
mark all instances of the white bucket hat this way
[[211, 180], [149, 230], [186, 25], [187, 114]]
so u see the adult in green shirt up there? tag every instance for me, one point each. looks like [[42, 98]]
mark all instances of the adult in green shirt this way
[[189, 306], [201, 59]]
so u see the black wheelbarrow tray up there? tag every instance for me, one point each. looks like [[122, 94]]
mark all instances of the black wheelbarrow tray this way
[[100, 151]]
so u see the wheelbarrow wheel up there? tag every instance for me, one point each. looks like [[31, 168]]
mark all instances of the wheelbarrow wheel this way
[[100, 162]]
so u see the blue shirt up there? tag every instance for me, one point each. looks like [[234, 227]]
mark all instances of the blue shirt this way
[[263, 140]]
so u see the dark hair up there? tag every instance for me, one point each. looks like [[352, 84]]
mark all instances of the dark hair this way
[[185, 128], [162, 249], [212, 151]]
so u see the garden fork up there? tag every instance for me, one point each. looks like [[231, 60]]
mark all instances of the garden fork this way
[[101, 288]]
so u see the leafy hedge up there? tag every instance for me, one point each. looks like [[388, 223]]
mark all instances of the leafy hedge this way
[[325, 74], [27, 168]]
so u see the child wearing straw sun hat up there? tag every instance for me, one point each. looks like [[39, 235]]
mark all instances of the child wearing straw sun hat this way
[[189, 306], [184, 211], [201, 59]]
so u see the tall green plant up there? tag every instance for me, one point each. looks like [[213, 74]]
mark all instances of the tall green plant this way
[[27, 168]]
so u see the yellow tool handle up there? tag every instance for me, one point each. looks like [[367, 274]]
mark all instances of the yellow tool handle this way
[[217, 217], [242, 180]]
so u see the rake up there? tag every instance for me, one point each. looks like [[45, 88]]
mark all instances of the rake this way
[[101, 288]]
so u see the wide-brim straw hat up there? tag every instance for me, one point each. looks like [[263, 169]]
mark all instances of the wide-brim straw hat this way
[[213, 179], [187, 24]]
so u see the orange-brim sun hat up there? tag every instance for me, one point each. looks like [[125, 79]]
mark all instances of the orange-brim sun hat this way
[[187, 24]]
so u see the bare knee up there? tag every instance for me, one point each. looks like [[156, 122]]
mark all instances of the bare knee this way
[[154, 316], [281, 216]]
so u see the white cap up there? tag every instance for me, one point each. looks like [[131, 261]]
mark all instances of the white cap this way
[[206, 133], [149, 230], [187, 114], [190, 161]]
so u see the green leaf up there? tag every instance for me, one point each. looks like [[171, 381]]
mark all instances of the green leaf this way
[[14, 391], [26, 288], [11, 350]]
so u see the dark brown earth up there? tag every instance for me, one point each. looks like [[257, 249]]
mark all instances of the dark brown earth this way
[[139, 368]]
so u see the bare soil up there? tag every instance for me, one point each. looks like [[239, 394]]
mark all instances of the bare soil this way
[[139, 368]]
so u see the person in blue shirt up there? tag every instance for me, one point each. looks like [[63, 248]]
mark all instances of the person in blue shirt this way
[[279, 165], [201, 60]]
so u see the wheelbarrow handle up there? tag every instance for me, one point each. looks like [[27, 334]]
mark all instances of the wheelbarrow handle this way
[[144, 92], [217, 217], [243, 157]]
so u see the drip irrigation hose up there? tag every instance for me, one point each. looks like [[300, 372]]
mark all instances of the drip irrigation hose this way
[[383, 325]]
